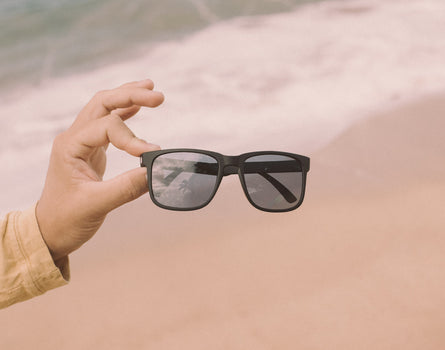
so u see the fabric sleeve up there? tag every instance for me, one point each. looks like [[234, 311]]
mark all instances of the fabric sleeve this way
[[26, 266]]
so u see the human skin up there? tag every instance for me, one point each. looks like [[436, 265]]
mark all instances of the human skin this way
[[75, 200]]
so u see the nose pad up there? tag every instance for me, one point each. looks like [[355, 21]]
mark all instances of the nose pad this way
[[230, 170]]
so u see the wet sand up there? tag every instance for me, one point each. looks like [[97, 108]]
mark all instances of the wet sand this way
[[359, 266]]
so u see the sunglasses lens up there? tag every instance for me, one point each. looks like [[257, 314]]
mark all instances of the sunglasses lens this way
[[274, 182], [184, 180]]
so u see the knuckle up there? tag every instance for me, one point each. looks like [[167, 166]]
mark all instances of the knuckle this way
[[114, 121], [62, 147], [100, 96], [115, 117], [60, 139], [126, 143]]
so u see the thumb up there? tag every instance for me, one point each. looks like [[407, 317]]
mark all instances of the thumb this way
[[121, 189]]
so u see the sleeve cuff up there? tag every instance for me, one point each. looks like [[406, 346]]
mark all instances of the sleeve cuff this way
[[42, 273]]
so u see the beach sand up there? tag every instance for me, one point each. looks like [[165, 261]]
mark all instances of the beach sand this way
[[361, 265]]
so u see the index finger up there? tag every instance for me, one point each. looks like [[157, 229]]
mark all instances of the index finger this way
[[101, 132], [104, 102]]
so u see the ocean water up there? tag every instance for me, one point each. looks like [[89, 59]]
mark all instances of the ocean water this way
[[41, 39], [237, 75]]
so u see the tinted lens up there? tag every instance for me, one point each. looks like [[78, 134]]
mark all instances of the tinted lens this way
[[274, 182], [184, 180]]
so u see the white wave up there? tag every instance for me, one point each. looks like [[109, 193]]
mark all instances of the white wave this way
[[290, 81]]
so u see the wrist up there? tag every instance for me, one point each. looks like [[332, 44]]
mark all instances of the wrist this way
[[45, 233]]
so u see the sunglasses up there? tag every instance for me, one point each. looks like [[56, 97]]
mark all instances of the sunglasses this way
[[187, 179]]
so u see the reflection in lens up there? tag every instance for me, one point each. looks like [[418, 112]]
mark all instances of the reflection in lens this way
[[273, 182], [184, 179]]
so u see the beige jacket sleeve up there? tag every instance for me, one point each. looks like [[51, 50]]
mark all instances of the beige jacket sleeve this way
[[26, 266]]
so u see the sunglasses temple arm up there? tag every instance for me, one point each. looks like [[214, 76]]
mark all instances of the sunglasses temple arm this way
[[169, 179], [290, 198]]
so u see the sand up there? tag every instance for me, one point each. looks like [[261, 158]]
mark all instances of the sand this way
[[359, 266]]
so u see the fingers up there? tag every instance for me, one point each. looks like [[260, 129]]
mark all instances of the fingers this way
[[147, 83], [127, 97], [124, 97], [110, 129], [126, 113], [124, 188]]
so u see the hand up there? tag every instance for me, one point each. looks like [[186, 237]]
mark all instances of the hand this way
[[75, 200]]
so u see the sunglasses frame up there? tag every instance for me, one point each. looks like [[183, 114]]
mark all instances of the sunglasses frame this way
[[227, 165]]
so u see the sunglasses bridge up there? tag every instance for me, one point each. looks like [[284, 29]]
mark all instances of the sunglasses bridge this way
[[230, 165]]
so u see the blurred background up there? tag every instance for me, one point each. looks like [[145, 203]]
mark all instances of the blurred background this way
[[237, 75], [357, 85]]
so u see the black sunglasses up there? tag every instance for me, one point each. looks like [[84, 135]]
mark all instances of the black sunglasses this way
[[187, 179]]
